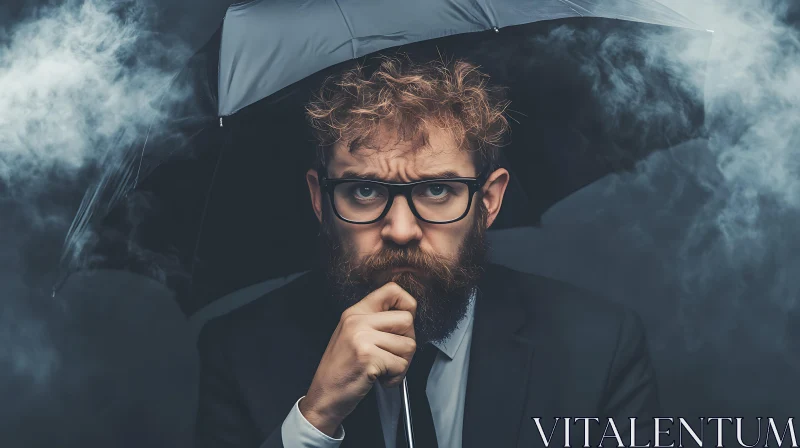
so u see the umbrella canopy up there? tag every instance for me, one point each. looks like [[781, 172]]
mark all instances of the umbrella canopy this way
[[216, 200]]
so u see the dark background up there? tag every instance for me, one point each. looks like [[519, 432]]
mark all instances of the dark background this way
[[111, 361]]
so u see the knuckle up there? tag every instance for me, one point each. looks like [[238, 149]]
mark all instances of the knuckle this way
[[349, 319], [360, 338], [404, 363], [373, 371], [362, 351]]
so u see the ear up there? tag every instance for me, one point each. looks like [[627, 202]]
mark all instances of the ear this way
[[312, 178], [493, 191]]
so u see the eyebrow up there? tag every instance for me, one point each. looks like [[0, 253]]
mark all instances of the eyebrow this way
[[449, 174]]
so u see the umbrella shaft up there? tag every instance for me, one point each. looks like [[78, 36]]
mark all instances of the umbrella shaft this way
[[407, 428]]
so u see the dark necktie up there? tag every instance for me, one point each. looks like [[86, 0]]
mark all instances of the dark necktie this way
[[421, 417]]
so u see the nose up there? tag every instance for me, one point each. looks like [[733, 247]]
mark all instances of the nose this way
[[400, 225]]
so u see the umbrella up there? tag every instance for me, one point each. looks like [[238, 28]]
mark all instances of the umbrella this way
[[214, 199]]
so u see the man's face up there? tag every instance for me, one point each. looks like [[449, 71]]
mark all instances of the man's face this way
[[438, 264]]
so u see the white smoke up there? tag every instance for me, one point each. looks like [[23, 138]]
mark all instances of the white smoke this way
[[754, 93], [77, 79], [717, 220], [740, 250], [753, 98]]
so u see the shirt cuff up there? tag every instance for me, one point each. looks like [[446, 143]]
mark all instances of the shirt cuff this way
[[297, 432]]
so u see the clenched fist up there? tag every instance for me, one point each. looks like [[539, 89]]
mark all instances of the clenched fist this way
[[373, 341]]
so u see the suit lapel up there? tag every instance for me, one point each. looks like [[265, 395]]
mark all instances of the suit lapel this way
[[501, 355]]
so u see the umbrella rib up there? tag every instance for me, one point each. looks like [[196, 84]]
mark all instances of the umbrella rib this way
[[349, 29], [164, 91], [571, 6]]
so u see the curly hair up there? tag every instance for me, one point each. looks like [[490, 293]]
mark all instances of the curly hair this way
[[453, 96]]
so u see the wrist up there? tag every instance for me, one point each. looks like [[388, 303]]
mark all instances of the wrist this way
[[317, 417]]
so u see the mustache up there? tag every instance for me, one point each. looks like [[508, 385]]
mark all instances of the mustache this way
[[412, 257], [428, 265]]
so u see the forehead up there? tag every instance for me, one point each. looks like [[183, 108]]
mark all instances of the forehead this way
[[392, 159]]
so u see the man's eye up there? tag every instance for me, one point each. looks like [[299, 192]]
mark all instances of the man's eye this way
[[365, 192], [437, 190]]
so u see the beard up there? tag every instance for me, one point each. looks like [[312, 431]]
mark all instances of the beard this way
[[441, 287]]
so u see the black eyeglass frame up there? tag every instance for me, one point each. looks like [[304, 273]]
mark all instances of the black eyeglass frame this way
[[473, 183]]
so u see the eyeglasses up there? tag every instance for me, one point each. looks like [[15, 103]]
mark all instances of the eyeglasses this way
[[436, 201]]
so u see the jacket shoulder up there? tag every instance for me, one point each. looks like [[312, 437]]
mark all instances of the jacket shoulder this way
[[572, 309]]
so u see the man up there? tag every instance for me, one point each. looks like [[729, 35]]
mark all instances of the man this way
[[405, 185]]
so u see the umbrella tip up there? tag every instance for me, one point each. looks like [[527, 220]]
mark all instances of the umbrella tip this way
[[59, 284], [496, 29]]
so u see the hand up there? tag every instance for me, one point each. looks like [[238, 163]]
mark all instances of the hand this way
[[374, 341]]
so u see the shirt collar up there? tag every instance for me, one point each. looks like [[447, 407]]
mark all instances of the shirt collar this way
[[450, 345]]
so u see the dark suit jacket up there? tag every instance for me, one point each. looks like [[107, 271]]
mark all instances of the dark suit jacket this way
[[540, 348]]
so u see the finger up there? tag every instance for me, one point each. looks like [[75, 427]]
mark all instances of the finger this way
[[386, 366], [388, 297], [394, 321], [395, 344]]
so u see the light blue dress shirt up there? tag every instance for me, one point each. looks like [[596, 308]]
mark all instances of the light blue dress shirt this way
[[447, 387]]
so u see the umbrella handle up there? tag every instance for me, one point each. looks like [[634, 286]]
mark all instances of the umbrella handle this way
[[407, 428]]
